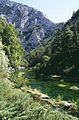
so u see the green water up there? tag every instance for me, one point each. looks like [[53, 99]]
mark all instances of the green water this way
[[67, 90], [54, 88]]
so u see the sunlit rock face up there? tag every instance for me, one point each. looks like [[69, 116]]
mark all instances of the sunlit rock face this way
[[30, 23]]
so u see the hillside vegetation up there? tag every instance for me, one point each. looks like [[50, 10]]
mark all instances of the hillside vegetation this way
[[11, 44], [62, 51]]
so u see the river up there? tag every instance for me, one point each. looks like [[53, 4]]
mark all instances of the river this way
[[65, 90]]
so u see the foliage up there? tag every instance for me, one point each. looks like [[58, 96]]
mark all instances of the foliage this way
[[18, 105], [3, 62], [18, 79], [35, 55], [65, 51], [11, 43]]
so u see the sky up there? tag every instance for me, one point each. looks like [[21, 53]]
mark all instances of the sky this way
[[55, 10]]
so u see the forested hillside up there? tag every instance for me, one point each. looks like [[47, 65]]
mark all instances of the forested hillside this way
[[64, 50]]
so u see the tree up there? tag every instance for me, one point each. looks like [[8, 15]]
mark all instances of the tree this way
[[11, 44], [3, 62]]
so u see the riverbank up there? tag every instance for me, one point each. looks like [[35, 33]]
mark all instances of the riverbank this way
[[67, 91]]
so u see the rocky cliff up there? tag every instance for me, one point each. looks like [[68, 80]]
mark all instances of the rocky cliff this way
[[30, 23]]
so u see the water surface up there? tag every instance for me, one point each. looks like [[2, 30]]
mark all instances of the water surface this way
[[67, 90]]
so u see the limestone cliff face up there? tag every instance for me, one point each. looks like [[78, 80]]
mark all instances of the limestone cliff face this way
[[31, 24]]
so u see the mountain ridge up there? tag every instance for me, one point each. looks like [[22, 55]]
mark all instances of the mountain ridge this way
[[31, 24]]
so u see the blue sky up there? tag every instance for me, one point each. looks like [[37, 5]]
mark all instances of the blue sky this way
[[55, 10]]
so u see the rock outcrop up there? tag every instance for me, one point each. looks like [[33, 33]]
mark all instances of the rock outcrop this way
[[30, 23]]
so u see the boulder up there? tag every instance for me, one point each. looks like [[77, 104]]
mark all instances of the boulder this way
[[43, 96], [55, 77], [66, 104]]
